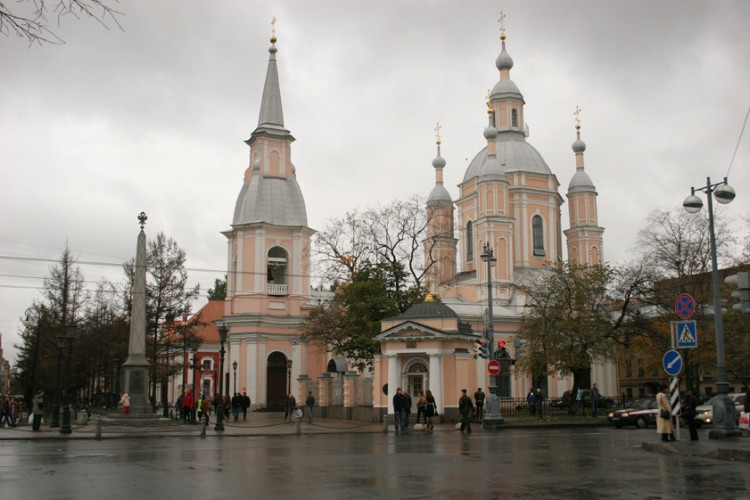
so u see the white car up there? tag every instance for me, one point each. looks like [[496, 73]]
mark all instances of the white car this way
[[704, 413]]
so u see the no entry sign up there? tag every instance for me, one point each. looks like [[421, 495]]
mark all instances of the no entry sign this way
[[493, 367]]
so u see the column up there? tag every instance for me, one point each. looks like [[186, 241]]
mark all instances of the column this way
[[436, 380], [394, 378]]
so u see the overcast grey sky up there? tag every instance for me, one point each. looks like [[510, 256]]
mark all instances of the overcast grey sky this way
[[154, 117]]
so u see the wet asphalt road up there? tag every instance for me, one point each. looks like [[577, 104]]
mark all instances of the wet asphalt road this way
[[539, 463]]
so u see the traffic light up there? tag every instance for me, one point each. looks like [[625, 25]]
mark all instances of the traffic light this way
[[502, 352], [480, 349], [740, 281]]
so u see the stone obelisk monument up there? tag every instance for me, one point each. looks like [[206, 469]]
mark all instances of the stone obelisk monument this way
[[136, 366]]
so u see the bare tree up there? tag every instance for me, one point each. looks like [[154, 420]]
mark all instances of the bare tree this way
[[676, 244], [390, 234], [30, 18]]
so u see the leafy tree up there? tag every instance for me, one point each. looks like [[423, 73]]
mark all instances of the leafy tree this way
[[579, 315], [63, 300], [348, 324], [219, 290], [28, 18]]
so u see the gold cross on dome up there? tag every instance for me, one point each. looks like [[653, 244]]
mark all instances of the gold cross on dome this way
[[577, 114], [273, 27], [501, 20], [437, 132]]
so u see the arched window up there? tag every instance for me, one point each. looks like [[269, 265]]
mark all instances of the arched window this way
[[514, 117], [537, 228], [277, 271], [469, 242]]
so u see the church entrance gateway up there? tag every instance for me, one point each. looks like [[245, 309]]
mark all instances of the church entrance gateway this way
[[416, 380], [276, 382]]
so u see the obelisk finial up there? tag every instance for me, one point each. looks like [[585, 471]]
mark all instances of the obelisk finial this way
[[273, 29], [142, 218]]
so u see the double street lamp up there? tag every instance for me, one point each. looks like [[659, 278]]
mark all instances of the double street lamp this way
[[724, 412], [223, 331]]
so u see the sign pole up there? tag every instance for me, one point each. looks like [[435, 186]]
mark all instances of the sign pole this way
[[674, 389]]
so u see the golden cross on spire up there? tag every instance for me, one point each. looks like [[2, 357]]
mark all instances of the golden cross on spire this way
[[577, 114], [501, 20], [273, 29], [437, 132]]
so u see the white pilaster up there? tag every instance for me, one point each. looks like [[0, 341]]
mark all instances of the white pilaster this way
[[436, 380], [394, 382]]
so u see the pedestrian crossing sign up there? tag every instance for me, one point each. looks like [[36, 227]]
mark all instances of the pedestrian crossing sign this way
[[686, 334]]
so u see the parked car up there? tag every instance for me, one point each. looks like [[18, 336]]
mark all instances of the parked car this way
[[564, 402], [704, 414], [641, 413]]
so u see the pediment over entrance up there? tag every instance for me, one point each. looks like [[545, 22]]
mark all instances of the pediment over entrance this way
[[411, 330]]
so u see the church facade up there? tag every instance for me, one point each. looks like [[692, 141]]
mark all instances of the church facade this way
[[508, 203]]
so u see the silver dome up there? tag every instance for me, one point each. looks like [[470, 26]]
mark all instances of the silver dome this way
[[513, 154]]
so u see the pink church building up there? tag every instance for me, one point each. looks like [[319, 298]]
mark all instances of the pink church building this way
[[508, 201]]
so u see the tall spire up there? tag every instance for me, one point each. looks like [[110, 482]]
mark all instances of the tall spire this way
[[439, 193], [271, 119], [581, 181]]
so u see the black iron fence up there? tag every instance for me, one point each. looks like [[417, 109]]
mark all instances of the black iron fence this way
[[561, 407]]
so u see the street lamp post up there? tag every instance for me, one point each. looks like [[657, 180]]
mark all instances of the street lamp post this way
[[56, 404], [289, 376], [70, 331], [223, 331], [194, 345], [494, 413], [234, 365], [724, 412]]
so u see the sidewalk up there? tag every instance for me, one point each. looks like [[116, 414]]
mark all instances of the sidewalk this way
[[272, 424], [734, 449]]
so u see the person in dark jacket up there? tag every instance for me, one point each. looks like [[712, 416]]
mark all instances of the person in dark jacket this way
[[309, 403], [465, 408], [399, 411], [244, 405], [37, 409], [431, 410], [689, 413], [479, 397], [236, 405]]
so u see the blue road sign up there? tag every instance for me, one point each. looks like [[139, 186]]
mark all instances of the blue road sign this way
[[672, 363], [686, 333]]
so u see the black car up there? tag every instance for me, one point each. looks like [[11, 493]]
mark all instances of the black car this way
[[641, 413], [586, 401]]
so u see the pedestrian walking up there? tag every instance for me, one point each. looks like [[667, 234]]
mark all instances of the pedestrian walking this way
[[5, 411], [689, 413], [399, 411], [187, 406], [664, 418], [431, 410], [125, 402], [539, 397], [479, 397], [531, 401], [236, 406], [291, 403], [579, 398], [37, 410], [245, 405], [407, 408], [595, 397], [465, 408], [309, 403], [421, 407]]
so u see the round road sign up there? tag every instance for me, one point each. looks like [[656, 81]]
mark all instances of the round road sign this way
[[493, 367], [684, 306]]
